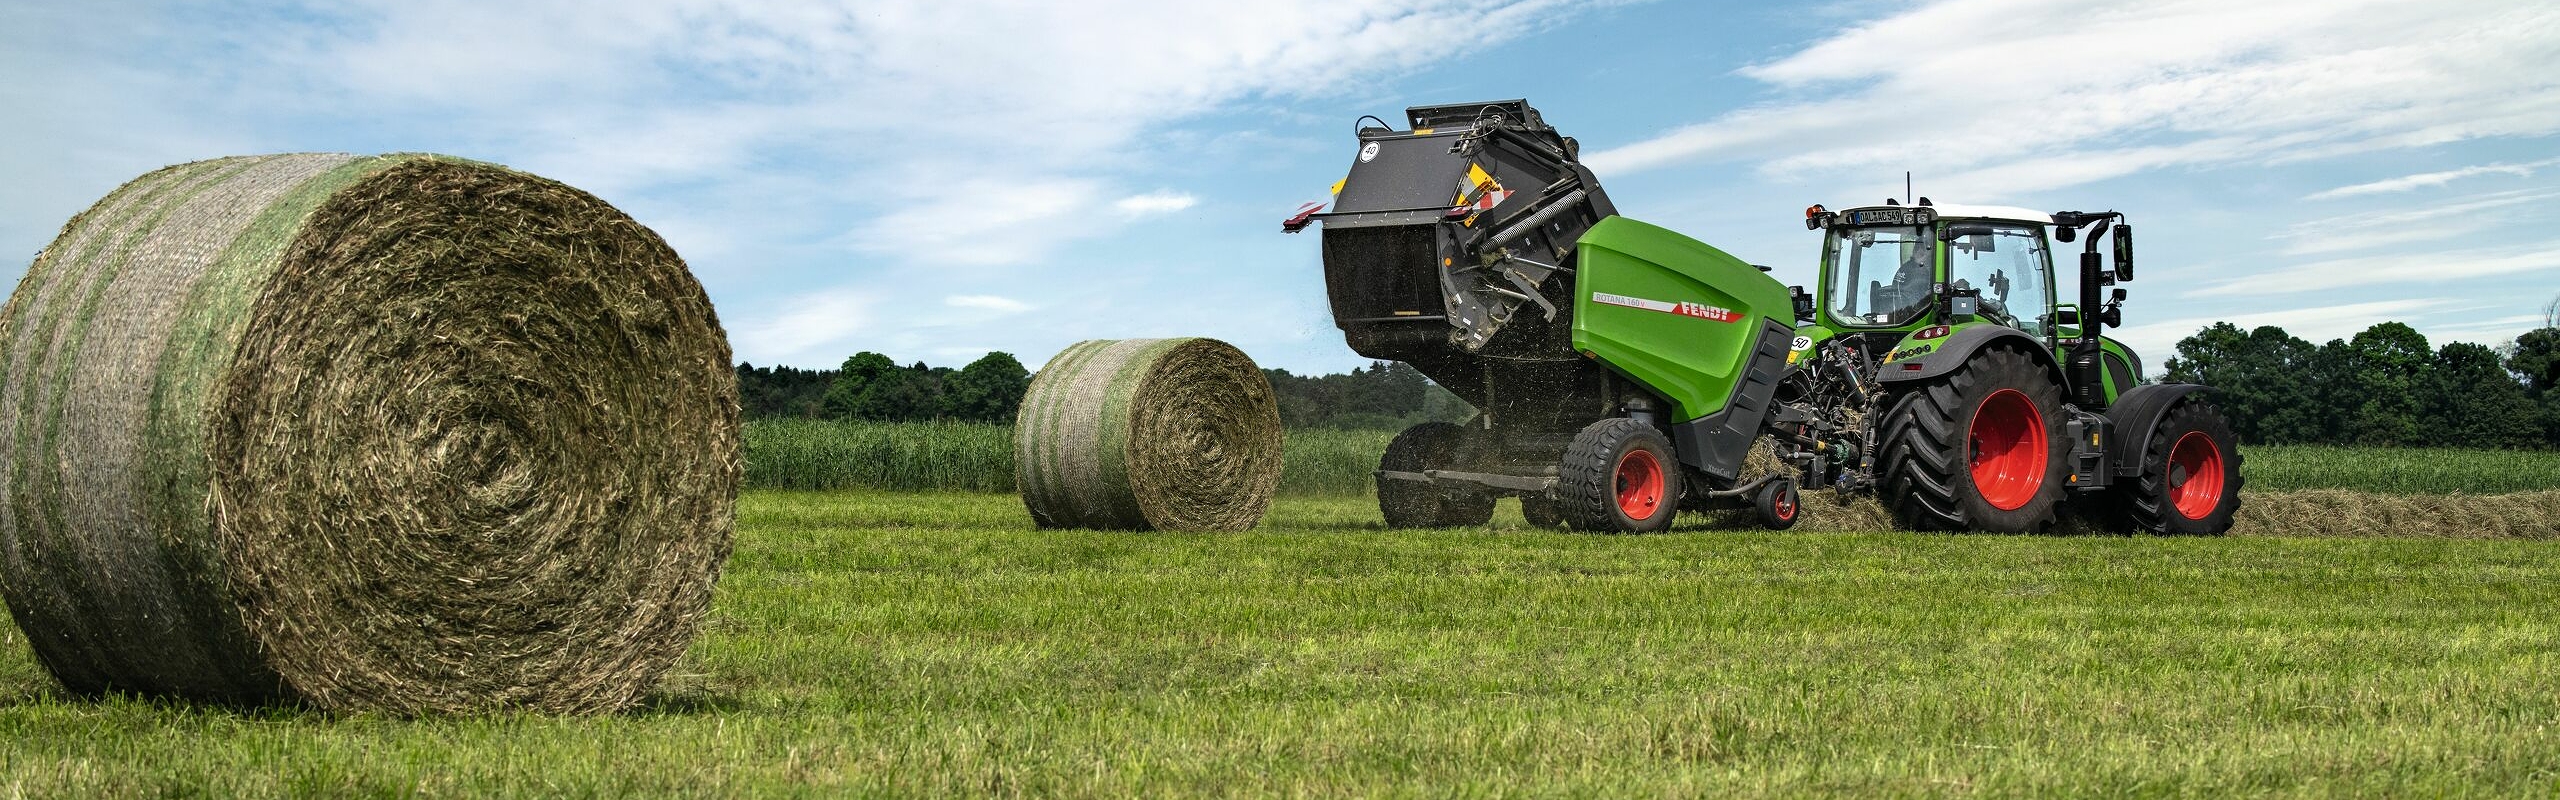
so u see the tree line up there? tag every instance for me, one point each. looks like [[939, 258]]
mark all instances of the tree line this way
[[2383, 387], [871, 386]]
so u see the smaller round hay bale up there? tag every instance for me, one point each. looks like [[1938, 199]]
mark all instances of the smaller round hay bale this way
[[1148, 434]]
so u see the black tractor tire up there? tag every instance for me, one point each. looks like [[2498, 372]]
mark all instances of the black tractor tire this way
[[1981, 448], [1778, 505], [1540, 512], [2190, 481], [1620, 475], [1410, 504]]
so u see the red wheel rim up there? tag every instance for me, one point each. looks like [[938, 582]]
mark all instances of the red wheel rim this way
[[1640, 481], [1786, 505], [2195, 475], [2006, 449]]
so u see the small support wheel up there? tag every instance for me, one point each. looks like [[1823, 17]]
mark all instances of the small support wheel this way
[[1619, 476], [1778, 504], [1413, 504]]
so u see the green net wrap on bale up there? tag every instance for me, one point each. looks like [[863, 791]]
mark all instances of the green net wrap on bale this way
[[404, 434], [1140, 434]]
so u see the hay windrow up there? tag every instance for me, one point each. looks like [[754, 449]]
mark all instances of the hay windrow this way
[[2315, 512], [400, 433], [1148, 434]]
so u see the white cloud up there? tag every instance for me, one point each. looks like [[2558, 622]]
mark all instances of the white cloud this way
[[2423, 267], [1161, 201], [2373, 229], [2431, 179], [805, 326], [2020, 95], [987, 302]]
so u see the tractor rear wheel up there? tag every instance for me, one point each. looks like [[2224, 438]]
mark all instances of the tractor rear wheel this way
[[1975, 449], [2190, 481], [1619, 476], [1414, 504]]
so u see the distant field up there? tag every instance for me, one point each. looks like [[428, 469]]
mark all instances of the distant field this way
[[796, 454], [901, 644]]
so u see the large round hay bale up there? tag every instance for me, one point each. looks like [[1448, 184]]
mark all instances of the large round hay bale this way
[[1148, 434], [402, 433]]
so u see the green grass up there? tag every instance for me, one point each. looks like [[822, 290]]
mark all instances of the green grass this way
[[893, 644], [803, 454], [2384, 470]]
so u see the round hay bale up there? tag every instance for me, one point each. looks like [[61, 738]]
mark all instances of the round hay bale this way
[[1148, 434], [403, 434]]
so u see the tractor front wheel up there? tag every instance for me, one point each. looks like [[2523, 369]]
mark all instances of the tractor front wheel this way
[[1975, 449], [2190, 481], [1619, 476], [1415, 504]]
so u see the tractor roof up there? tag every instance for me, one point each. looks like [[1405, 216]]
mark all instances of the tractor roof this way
[[2009, 213]]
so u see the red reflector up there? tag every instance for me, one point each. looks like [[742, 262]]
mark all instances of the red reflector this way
[[1912, 367]]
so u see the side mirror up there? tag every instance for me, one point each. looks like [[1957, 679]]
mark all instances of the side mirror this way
[[1803, 302], [2124, 251]]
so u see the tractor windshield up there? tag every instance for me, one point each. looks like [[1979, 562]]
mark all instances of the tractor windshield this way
[[2007, 265], [1879, 276]]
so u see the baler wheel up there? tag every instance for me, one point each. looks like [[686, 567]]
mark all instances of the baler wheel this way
[[1409, 504], [1619, 476], [1975, 449], [2190, 481], [1778, 505]]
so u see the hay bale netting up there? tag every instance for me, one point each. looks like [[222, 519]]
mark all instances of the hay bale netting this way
[[400, 433], [1139, 434]]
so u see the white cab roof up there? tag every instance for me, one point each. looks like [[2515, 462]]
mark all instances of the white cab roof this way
[[2012, 213]]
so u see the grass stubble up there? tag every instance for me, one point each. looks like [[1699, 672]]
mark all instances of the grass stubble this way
[[880, 643]]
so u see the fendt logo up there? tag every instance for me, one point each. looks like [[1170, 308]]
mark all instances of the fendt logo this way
[[1696, 310]]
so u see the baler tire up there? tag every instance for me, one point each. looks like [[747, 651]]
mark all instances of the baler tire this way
[[1540, 512], [1778, 505], [2166, 498], [1620, 475], [1930, 471], [1407, 504]]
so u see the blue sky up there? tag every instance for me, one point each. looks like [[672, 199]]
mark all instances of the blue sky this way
[[934, 180]]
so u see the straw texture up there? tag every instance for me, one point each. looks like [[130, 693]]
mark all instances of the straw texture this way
[[404, 434], [1148, 434]]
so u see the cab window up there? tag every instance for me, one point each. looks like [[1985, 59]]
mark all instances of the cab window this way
[[2006, 262], [1880, 277]]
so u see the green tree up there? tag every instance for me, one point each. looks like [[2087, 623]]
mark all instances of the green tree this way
[[860, 375], [2536, 356], [2471, 401], [989, 389], [2385, 367], [2260, 379]]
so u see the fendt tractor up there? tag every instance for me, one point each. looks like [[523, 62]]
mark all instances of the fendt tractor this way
[[1622, 373]]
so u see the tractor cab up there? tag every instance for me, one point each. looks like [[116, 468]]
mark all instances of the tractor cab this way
[[1895, 280]]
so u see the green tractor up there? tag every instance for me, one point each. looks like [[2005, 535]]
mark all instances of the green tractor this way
[[1622, 373]]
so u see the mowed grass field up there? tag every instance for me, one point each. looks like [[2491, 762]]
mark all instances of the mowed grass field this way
[[869, 643]]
